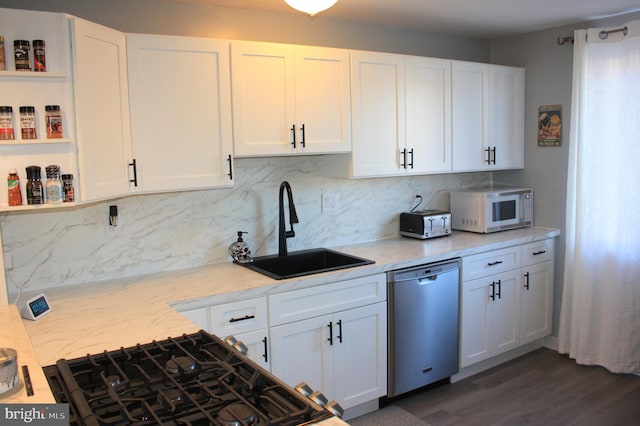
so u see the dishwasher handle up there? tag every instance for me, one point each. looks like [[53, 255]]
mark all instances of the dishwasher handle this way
[[423, 273]]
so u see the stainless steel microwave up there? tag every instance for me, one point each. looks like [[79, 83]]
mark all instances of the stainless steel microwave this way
[[493, 209]]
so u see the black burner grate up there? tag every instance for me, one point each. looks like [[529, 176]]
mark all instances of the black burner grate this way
[[194, 379]]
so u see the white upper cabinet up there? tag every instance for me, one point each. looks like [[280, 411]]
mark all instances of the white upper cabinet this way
[[506, 116], [102, 110], [289, 99], [428, 106], [378, 100], [180, 100], [487, 117], [401, 119]]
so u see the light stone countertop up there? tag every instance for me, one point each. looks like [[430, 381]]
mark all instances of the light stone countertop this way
[[13, 335], [101, 316]]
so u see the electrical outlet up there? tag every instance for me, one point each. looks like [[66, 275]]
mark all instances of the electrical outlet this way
[[330, 202]]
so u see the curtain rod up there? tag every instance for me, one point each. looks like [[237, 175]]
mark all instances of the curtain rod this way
[[602, 34], [563, 40]]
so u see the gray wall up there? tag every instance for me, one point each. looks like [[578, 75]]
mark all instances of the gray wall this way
[[549, 69]]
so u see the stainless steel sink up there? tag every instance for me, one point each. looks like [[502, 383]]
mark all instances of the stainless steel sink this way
[[304, 262]]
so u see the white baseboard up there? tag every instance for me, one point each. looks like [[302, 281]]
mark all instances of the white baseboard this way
[[551, 342], [497, 360], [360, 410]]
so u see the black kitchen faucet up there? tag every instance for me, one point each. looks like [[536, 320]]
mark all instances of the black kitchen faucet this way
[[283, 234]]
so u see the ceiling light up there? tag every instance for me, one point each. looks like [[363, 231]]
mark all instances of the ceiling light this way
[[311, 6]]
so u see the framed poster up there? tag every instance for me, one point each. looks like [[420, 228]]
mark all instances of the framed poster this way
[[550, 125]]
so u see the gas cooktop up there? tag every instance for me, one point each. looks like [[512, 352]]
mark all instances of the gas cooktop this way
[[194, 379]]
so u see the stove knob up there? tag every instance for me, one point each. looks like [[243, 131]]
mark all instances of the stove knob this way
[[241, 347], [319, 398], [334, 408], [230, 340], [304, 389]]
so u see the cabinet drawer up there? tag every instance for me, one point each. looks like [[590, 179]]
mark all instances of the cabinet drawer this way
[[492, 262], [325, 299], [538, 251], [239, 317]]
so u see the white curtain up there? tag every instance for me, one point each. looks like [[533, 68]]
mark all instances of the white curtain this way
[[600, 314]]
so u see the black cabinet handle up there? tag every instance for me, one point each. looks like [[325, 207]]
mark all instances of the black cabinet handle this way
[[293, 133], [404, 158], [539, 252], [489, 152], [330, 339], [492, 296], [303, 142], [230, 174], [526, 281], [499, 293], [244, 318], [264, 355], [135, 173], [340, 331], [411, 163], [497, 262]]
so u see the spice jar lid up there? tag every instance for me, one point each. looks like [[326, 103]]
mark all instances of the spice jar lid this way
[[7, 356], [13, 171], [38, 43], [67, 177], [18, 43], [27, 109], [52, 107], [6, 109], [33, 172]]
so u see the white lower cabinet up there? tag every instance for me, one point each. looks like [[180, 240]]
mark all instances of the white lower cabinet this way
[[506, 300], [490, 319], [246, 320], [342, 353], [537, 290]]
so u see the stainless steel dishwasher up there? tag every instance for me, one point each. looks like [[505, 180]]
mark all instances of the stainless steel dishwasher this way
[[423, 325]]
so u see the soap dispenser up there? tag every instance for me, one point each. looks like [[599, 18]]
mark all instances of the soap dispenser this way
[[240, 251]]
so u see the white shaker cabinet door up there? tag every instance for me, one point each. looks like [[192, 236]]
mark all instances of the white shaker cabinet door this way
[[323, 101], [102, 110], [506, 116], [263, 98], [537, 301], [378, 102], [428, 112], [470, 109], [360, 371], [179, 89], [301, 352]]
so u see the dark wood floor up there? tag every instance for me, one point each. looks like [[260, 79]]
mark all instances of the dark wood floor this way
[[540, 388]]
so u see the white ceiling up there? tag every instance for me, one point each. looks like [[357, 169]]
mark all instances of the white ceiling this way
[[473, 18]]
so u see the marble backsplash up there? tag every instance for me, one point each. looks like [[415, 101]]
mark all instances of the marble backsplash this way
[[171, 231]]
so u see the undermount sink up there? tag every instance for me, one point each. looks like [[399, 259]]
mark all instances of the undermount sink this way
[[304, 262]]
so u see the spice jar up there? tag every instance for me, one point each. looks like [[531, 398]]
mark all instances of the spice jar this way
[[6, 123], [21, 53], [67, 188], [39, 61], [53, 186], [35, 191], [28, 122], [54, 121], [13, 183], [3, 64]]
